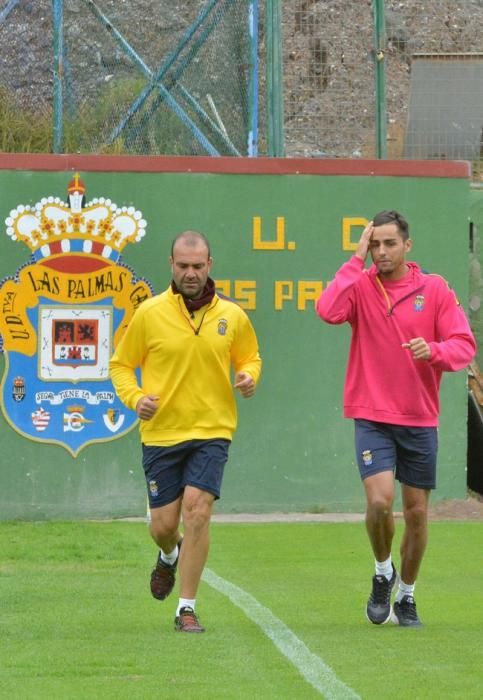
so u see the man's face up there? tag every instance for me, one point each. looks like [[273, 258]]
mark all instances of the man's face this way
[[190, 266], [388, 251]]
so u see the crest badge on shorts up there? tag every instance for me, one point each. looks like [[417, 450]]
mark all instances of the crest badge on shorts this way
[[63, 313]]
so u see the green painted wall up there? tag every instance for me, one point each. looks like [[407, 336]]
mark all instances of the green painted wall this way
[[293, 450], [476, 270]]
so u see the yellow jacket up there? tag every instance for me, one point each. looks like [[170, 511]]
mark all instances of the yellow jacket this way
[[185, 360]]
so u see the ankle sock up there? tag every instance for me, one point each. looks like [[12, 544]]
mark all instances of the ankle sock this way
[[171, 557], [186, 603], [384, 568], [404, 589]]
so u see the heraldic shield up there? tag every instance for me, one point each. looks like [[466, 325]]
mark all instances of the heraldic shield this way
[[62, 315]]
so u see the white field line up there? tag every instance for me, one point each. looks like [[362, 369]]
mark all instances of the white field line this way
[[310, 666]]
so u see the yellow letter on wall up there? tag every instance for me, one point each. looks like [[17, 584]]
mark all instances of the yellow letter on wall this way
[[347, 223], [283, 292], [277, 244], [307, 291]]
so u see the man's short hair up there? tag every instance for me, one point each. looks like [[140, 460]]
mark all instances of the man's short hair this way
[[392, 217], [191, 238]]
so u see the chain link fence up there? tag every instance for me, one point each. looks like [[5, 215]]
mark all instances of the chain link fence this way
[[25, 77], [133, 77], [433, 58], [188, 78], [329, 99]]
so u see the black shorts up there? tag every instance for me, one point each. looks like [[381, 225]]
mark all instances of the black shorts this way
[[408, 451], [198, 463]]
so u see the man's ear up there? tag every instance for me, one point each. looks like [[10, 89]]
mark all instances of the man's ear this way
[[409, 245]]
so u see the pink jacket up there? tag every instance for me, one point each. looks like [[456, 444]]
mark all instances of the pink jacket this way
[[383, 382]]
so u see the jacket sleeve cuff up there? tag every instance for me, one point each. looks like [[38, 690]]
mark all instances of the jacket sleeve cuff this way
[[135, 399]]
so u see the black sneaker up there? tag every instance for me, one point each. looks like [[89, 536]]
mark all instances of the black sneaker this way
[[163, 577], [405, 613], [378, 609]]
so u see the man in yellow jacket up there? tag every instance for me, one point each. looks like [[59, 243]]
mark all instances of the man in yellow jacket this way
[[185, 342]]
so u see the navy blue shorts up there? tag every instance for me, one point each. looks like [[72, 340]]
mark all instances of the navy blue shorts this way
[[408, 451], [198, 463]]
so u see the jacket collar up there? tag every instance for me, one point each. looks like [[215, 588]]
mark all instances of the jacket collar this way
[[195, 304], [415, 274]]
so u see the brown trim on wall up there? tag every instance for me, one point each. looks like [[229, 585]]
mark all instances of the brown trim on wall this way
[[235, 166]]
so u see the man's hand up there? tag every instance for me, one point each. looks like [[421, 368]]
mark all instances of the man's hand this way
[[245, 383], [419, 348], [147, 406], [364, 241]]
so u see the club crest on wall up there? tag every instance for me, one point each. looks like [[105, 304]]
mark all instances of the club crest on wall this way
[[62, 314]]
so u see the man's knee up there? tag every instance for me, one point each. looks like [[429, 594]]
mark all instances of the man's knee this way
[[380, 493], [380, 499], [380, 506], [416, 515], [164, 522], [197, 508]]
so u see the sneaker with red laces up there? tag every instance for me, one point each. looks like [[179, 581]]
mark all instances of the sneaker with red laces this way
[[163, 577], [187, 621]]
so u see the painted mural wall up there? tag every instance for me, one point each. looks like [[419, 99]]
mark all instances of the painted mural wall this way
[[87, 239]]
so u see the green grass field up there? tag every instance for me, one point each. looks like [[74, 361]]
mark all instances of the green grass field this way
[[283, 605]]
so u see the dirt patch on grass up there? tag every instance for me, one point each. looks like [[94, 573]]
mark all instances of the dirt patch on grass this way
[[470, 508]]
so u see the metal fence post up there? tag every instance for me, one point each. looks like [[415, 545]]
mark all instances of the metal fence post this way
[[58, 72], [380, 75], [252, 146], [274, 81]]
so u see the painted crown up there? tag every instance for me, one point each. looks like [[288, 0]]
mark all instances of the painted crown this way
[[52, 227]]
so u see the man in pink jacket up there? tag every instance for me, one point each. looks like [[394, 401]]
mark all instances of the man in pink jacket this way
[[407, 329]]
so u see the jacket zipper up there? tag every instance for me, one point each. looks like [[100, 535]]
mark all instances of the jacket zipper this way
[[391, 307], [195, 330]]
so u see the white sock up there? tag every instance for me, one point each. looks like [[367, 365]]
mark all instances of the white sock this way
[[384, 568], [171, 557], [404, 589], [186, 603]]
